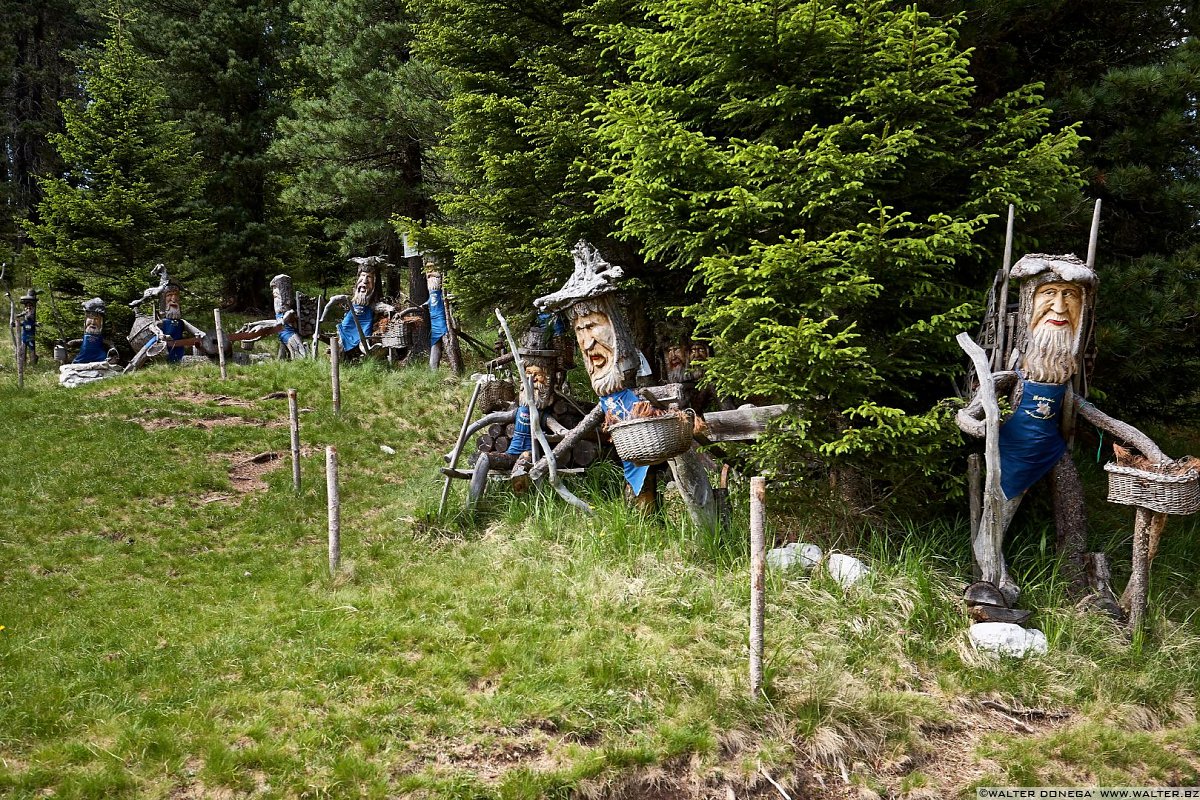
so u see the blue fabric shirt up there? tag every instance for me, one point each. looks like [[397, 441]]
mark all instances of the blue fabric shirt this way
[[289, 332], [1031, 442], [174, 329], [348, 331], [621, 405], [93, 349], [437, 316], [522, 438], [28, 331]]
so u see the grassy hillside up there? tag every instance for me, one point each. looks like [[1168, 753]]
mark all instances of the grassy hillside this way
[[171, 629]]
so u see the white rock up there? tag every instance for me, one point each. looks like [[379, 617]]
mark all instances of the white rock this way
[[810, 554], [782, 558], [1008, 639], [391, 451], [846, 570]]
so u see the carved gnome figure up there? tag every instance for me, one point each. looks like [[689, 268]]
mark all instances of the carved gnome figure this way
[[1057, 294], [28, 319], [438, 321], [92, 347], [284, 299], [363, 312], [605, 341], [539, 367]]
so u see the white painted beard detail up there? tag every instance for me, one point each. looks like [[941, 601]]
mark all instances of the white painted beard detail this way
[[172, 312], [610, 382], [1051, 356]]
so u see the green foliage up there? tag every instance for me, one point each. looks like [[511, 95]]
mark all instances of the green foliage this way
[[363, 115], [820, 168], [129, 197], [220, 62]]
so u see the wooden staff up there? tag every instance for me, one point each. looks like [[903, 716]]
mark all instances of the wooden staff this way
[[294, 420], [758, 570], [335, 510], [987, 543], [21, 361], [335, 353], [1001, 351], [458, 445], [220, 342]]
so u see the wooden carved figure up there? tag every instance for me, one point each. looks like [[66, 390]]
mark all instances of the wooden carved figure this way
[[518, 456], [364, 313], [28, 323], [1057, 296], [164, 328], [291, 343], [95, 360]]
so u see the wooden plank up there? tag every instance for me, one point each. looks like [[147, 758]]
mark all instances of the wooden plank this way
[[739, 425]]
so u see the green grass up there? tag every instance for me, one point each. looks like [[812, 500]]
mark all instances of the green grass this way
[[159, 642]]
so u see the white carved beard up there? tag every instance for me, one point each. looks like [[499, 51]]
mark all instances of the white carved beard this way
[[172, 312], [611, 382], [541, 395], [677, 374], [1051, 356]]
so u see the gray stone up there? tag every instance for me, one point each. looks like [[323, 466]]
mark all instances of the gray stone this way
[[1008, 639], [846, 570]]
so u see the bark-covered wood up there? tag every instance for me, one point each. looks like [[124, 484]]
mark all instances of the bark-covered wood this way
[[691, 480], [1070, 523], [335, 376], [585, 426], [975, 490], [335, 509], [294, 425], [758, 570], [739, 425], [584, 452], [220, 342], [1147, 530], [1122, 431]]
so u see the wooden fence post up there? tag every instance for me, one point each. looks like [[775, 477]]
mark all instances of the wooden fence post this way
[[20, 354], [758, 569], [335, 510], [335, 353], [220, 342], [294, 421]]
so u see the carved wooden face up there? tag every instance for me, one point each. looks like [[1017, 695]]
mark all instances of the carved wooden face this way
[[597, 342], [540, 379], [1057, 306], [364, 287], [30, 309], [676, 359], [93, 323], [434, 279], [171, 308]]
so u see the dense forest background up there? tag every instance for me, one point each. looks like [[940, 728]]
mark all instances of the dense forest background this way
[[818, 187]]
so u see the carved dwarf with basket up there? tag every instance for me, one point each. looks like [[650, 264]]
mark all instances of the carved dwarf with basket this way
[[1043, 351]]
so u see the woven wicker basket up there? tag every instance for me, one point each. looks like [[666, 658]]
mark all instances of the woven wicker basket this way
[[653, 440], [496, 394], [396, 334], [1168, 494]]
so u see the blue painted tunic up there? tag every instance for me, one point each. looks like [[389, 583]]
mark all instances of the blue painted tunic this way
[[289, 332], [1031, 442], [174, 329], [437, 316], [29, 332], [621, 405], [349, 331], [522, 438], [93, 349]]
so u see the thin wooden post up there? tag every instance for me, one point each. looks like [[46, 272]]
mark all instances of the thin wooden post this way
[[20, 361], [335, 510], [335, 353], [294, 420], [220, 342], [975, 490], [1000, 354], [758, 570]]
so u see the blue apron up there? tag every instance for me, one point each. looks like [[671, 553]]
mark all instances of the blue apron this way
[[437, 316], [349, 331], [522, 438], [28, 332], [289, 332], [621, 404], [91, 350], [174, 329], [1031, 442]]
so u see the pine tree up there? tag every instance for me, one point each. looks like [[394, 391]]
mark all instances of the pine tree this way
[[820, 170], [129, 196]]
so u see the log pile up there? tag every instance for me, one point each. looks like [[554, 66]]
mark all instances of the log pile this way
[[558, 418]]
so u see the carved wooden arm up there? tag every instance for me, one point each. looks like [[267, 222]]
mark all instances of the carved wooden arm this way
[[593, 418], [1121, 430], [970, 418]]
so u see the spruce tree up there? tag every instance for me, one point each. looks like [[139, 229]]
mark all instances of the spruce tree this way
[[819, 168], [129, 197]]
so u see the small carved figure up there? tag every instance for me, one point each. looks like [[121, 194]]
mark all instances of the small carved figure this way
[[290, 341], [1057, 295], [95, 359], [28, 323], [364, 314], [164, 327]]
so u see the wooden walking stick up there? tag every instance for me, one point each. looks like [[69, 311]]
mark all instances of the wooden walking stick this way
[[458, 445], [988, 541]]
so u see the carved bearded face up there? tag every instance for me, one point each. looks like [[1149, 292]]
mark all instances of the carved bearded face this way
[[540, 378], [93, 324], [364, 287], [676, 358], [697, 355], [597, 342], [434, 279], [171, 309], [30, 309], [1056, 314]]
